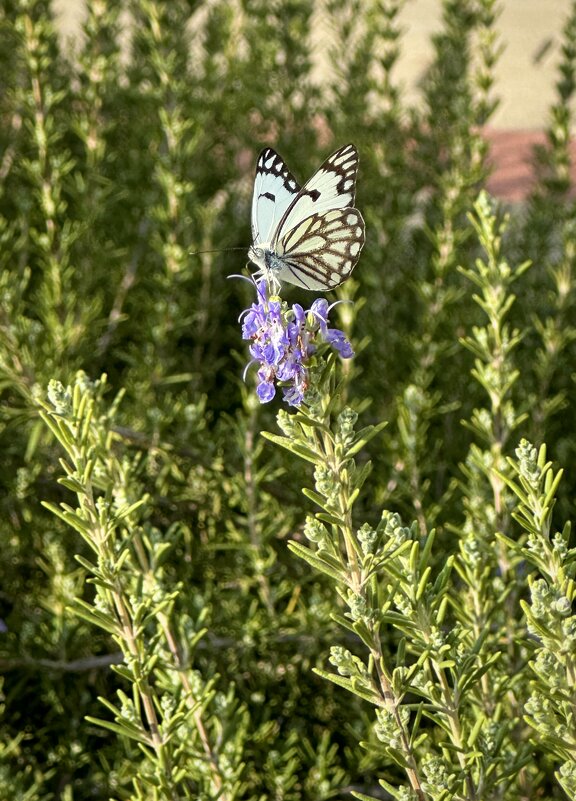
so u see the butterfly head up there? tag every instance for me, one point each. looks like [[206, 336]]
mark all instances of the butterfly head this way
[[268, 263], [257, 255]]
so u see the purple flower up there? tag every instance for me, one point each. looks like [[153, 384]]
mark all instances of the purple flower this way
[[333, 336], [339, 342], [282, 342], [265, 389]]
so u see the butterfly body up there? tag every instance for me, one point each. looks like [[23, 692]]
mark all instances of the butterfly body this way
[[310, 236]]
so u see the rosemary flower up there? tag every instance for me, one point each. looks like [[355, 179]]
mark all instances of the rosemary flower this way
[[283, 341]]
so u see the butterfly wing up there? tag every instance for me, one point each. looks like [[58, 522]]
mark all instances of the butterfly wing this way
[[310, 236], [319, 238], [333, 186], [321, 252], [275, 188]]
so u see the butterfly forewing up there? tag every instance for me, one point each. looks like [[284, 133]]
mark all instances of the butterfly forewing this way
[[274, 190], [333, 186]]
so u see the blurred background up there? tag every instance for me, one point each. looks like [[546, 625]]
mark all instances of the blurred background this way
[[525, 73], [530, 33]]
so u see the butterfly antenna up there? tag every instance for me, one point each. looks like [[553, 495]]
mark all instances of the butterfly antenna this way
[[218, 250]]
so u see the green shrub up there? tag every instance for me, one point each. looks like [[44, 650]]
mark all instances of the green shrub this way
[[371, 599]]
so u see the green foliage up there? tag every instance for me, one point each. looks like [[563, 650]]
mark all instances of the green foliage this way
[[374, 598]]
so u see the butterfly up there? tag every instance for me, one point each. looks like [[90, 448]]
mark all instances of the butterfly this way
[[310, 236]]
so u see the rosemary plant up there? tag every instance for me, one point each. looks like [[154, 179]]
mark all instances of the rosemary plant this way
[[348, 570]]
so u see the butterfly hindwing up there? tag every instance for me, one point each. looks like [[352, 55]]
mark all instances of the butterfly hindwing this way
[[274, 190], [321, 252]]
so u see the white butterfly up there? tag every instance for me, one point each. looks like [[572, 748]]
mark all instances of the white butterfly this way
[[310, 236]]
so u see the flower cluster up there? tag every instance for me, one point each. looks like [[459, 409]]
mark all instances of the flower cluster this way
[[283, 341]]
